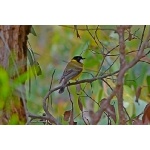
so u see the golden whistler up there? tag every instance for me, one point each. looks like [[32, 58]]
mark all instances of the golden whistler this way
[[72, 71]]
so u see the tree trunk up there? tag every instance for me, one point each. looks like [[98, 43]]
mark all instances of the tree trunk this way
[[13, 58]]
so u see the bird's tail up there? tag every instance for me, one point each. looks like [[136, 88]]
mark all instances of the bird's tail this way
[[61, 89]]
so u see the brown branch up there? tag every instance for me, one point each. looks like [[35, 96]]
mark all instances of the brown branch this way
[[119, 85], [93, 79], [84, 29], [32, 116], [95, 117], [51, 118], [118, 91]]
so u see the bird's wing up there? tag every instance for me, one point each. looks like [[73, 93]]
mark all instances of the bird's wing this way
[[71, 70], [69, 74], [65, 73]]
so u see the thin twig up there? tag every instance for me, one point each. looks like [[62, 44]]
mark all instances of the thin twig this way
[[80, 114], [118, 44], [110, 65], [126, 113], [108, 84], [51, 87], [142, 36], [32, 116], [100, 67], [52, 79], [91, 98], [84, 29], [92, 35], [83, 118], [99, 40]]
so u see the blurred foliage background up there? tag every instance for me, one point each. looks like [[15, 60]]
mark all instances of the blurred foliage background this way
[[54, 46]]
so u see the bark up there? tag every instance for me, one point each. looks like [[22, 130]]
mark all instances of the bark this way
[[13, 58]]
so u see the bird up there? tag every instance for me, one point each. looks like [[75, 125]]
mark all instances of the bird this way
[[72, 71]]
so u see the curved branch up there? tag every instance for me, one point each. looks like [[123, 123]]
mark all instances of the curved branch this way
[[51, 118]]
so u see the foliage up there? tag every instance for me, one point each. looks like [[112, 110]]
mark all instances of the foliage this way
[[87, 103]]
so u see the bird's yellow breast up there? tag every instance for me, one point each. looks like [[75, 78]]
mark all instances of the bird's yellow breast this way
[[76, 77], [76, 66]]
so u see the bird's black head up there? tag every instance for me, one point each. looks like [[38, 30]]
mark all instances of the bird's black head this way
[[78, 58]]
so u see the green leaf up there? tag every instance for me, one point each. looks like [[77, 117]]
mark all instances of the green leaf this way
[[33, 31], [37, 68], [4, 84], [148, 83], [30, 55], [14, 120], [21, 78], [129, 97]]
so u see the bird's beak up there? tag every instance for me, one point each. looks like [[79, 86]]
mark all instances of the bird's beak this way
[[83, 58]]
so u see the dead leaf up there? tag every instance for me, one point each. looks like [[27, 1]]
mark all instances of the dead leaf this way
[[71, 122], [80, 104], [67, 115], [146, 115]]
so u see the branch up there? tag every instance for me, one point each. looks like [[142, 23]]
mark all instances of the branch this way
[[142, 36], [78, 82], [124, 67], [51, 118], [51, 87], [92, 35], [32, 116], [120, 78], [98, 38], [84, 29]]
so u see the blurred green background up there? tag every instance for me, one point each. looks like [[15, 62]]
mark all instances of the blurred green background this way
[[54, 46]]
